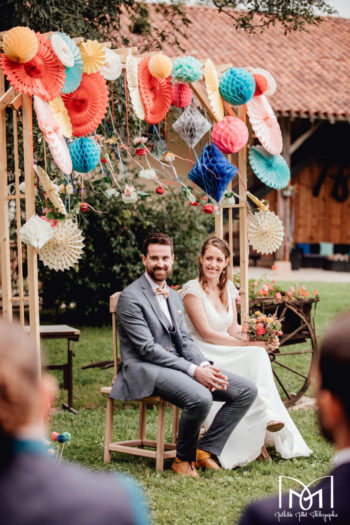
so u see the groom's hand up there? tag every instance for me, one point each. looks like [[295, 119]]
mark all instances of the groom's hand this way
[[211, 377]]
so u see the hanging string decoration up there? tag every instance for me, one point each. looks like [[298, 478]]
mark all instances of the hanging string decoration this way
[[271, 82], [20, 44], [43, 75], [93, 54], [187, 69], [160, 66], [73, 74], [191, 126], [272, 170], [181, 95], [36, 232], [230, 134], [133, 86], [237, 86], [265, 231], [155, 94], [85, 154], [62, 49], [65, 248], [212, 172], [265, 124], [60, 114], [212, 85], [50, 189], [112, 67], [88, 104]]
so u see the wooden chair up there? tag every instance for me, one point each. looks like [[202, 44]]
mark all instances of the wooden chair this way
[[163, 450]]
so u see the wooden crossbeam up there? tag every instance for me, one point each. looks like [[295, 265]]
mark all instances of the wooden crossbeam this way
[[7, 98]]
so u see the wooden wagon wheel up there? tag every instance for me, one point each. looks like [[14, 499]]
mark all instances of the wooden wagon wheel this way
[[293, 363]]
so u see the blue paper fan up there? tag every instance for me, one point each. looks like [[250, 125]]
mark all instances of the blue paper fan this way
[[272, 170], [212, 172], [74, 73]]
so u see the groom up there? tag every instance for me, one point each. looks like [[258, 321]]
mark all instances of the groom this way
[[160, 358]]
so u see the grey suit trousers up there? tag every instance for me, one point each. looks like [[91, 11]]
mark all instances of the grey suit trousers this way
[[195, 400]]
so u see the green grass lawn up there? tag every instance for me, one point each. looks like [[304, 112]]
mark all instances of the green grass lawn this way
[[217, 497]]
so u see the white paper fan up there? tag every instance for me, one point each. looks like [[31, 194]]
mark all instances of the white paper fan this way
[[133, 85], [65, 248], [212, 85], [265, 124], [50, 189], [271, 82], [62, 50], [36, 232], [112, 68], [265, 231]]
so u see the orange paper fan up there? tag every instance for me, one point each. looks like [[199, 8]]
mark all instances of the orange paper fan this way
[[155, 93], [20, 44], [42, 76], [87, 105]]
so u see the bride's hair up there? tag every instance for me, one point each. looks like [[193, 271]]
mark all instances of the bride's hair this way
[[223, 246]]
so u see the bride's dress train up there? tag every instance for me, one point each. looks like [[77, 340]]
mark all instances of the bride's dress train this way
[[251, 362]]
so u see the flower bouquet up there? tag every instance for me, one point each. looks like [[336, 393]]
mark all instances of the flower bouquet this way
[[261, 327]]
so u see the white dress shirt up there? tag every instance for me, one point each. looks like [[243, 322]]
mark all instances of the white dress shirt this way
[[165, 309]]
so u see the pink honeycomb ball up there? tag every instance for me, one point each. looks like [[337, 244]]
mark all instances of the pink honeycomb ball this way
[[230, 135]]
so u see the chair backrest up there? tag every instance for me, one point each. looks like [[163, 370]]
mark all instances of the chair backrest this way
[[113, 301]]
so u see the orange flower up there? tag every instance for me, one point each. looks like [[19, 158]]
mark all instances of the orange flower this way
[[315, 292]]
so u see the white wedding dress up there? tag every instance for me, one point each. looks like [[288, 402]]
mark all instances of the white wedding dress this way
[[252, 362]]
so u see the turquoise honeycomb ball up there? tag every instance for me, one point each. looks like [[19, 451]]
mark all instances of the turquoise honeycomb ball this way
[[237, 86], [85, 154], [187, 69]]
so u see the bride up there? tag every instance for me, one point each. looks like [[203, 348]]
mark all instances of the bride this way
[[211, 318]]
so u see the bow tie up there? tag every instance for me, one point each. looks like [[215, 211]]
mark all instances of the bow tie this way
[[162, 291]]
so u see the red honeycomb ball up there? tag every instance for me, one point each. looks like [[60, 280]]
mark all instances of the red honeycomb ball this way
[[230, 135], [260, 84], [181, 95]]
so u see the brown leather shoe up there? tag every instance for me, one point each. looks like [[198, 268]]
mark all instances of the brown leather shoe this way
[[185, 468], [207, 463]]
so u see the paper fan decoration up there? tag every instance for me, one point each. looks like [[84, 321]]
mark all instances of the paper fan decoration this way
[[230, 134], [272, 170], [20, 44], [36, 232], [73, 74], [155, 94], [212, 172], [237, 86], [65, 248], [43, 75], [49, 188], [212, 85], [271, 82], [160, 66], [62, 49], [112, 67], [133, 86], [187, 69], [191, 126], [60, 114], [265, 231], [265, 124], [85, 154], [181, 95], [88, 104], [93, 54]]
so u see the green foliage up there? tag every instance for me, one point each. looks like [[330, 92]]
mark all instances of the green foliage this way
[[112, 255]]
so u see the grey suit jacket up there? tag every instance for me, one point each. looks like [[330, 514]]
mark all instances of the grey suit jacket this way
[[145, 340]]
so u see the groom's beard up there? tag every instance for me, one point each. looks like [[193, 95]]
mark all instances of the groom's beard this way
[[159, 274]]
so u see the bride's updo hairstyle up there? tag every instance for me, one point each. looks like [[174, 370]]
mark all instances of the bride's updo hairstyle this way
[[222, 246]]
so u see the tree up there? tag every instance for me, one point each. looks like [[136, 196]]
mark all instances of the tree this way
[[293, 15]]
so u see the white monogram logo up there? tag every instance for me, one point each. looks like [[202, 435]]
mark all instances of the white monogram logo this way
[[306, 496]]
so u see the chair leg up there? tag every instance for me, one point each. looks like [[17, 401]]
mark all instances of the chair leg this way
[[176, 416], [160, 436], [108, 429], [142, 421]]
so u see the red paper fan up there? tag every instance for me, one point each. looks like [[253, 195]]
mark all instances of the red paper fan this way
[[87, 105], [155, 93], [44, 75]]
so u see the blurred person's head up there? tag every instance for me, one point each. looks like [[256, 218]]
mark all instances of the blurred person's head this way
[[25, 395], [334, 382]]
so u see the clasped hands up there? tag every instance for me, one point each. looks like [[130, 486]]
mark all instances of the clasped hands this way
[[211, 377]]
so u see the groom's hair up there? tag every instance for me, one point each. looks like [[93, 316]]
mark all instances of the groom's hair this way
[[335, 361], [157, 238]]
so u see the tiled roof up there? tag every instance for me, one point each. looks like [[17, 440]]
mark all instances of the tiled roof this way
[[311, 67]]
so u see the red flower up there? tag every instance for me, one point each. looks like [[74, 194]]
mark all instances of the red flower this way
[[84, 206], [160, 190], [194, 203], [260, 330], [104, 161], [140, 151], [208, 208]]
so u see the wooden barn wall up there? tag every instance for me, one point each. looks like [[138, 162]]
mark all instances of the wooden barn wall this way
[[321, 218]]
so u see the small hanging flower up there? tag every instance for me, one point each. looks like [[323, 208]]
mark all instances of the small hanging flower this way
[[129, 196], [194, 203], [160, 190], [208, 208], [83, 206], [140, 151]]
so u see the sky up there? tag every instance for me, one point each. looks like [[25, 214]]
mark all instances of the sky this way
[[342, 6]]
